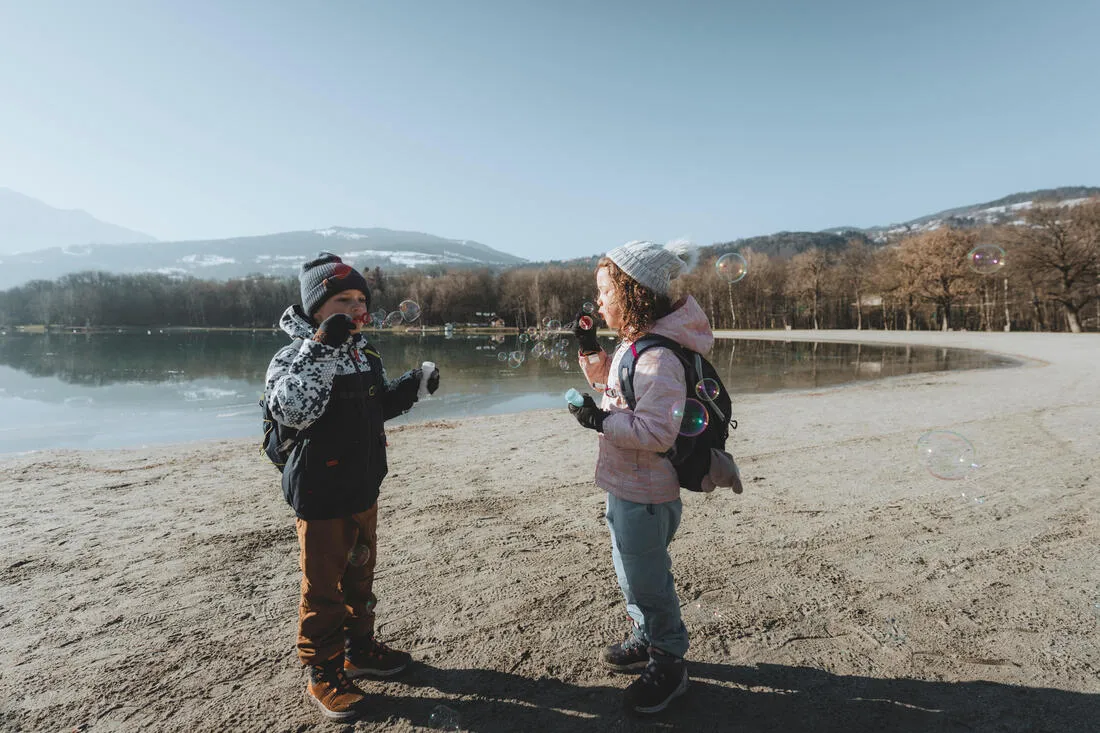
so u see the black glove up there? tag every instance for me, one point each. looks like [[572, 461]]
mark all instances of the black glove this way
[[433, 381], [407, 385], [586, 337], [589, 415], [335, 330]]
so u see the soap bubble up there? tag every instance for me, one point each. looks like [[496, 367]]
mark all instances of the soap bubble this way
[[444, 718], [532, 331], [946, 454], [692, 417], [564, 365], [537, 350], [393, 319], [501, 356], [700, 612], [585, 322], [378, 318], [410, 311], [589, 307], [707, 389], [986, 259], [731, 267], [515, 359], [358, 556], [553, 325]]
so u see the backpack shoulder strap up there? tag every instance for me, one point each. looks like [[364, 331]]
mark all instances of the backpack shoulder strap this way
[[630, 360]]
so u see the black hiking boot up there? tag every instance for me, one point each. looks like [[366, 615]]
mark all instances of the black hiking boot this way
[[663, 679], [626, 656]]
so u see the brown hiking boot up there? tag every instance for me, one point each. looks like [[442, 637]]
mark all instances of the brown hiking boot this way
[[333, 692], [372, 657]]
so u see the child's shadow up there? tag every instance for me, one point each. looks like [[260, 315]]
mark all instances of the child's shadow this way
[[726, 697]]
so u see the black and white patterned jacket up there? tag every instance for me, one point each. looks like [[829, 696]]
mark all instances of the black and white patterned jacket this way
[[339, 398]]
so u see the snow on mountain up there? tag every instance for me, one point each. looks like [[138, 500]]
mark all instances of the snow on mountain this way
[[1002, 211], [273, 254]]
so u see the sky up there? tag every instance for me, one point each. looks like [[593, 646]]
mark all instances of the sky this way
[[545, 129]]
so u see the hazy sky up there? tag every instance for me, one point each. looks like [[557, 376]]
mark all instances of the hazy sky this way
[[543, 128]]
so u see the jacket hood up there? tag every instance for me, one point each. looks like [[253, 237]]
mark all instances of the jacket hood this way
[[687, 325], [296, 323]]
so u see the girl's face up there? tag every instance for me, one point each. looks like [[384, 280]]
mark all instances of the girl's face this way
[[351, 302], [608, 299]]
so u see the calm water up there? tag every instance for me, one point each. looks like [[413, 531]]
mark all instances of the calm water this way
[[134, 389]]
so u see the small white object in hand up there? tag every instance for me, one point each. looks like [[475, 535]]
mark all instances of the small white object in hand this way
[[426, 371]]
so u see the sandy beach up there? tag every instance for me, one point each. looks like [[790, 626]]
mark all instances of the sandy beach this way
[[846, 589]]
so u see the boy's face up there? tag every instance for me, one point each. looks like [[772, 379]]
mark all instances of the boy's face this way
[[351, 302], [608, 299]]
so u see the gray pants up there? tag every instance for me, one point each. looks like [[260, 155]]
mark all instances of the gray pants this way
[[640, 536]]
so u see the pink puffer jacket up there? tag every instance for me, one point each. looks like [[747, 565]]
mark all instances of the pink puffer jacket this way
[[629, 465]]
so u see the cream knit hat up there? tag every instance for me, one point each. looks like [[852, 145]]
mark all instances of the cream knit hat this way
[[654, 265]]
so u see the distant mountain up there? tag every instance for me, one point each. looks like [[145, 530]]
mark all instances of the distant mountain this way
[[270, 254], [27, 224], [1004, 210]]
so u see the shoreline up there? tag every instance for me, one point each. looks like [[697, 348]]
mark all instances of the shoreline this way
[[846, 590]]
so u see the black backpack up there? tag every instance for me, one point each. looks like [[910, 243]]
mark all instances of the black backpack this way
[[690, 454], [278, 439]]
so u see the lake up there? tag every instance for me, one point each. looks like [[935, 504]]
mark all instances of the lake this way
[[141, 388]]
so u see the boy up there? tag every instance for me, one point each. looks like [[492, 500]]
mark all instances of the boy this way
[[330, 385]]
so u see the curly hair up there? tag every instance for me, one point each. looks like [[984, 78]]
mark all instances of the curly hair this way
[[640, 306]]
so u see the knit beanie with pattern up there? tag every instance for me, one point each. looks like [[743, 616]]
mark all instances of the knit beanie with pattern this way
[[654, 265], [325, 276]]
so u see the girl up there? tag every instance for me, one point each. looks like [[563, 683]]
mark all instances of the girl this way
[[643, 492]]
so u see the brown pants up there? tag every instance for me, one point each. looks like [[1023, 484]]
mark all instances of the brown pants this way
[[336, 599]]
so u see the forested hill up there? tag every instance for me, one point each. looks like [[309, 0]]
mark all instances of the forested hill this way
[[1005, 210]]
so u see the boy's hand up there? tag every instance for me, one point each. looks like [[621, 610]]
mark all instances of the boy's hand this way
[[586, 337], [335, 330], [588, 415]]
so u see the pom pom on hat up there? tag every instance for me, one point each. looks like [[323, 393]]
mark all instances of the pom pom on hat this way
[[654, 265]]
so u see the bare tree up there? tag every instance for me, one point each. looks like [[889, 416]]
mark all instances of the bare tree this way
[[855, 269], [939, 260], [1061, 246], [808, 278]]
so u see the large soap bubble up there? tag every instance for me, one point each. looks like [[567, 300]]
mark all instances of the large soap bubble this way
[[707, 389], [410, 311], [692, 416], [986, 259], [946, 454], [731, 267]]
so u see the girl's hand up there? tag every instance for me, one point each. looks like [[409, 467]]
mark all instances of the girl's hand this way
[[588, 415]]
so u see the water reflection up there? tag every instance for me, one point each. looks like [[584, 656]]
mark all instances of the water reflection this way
[[113, 390]]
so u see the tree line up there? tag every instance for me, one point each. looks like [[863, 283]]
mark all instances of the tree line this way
[[1050, 282]]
